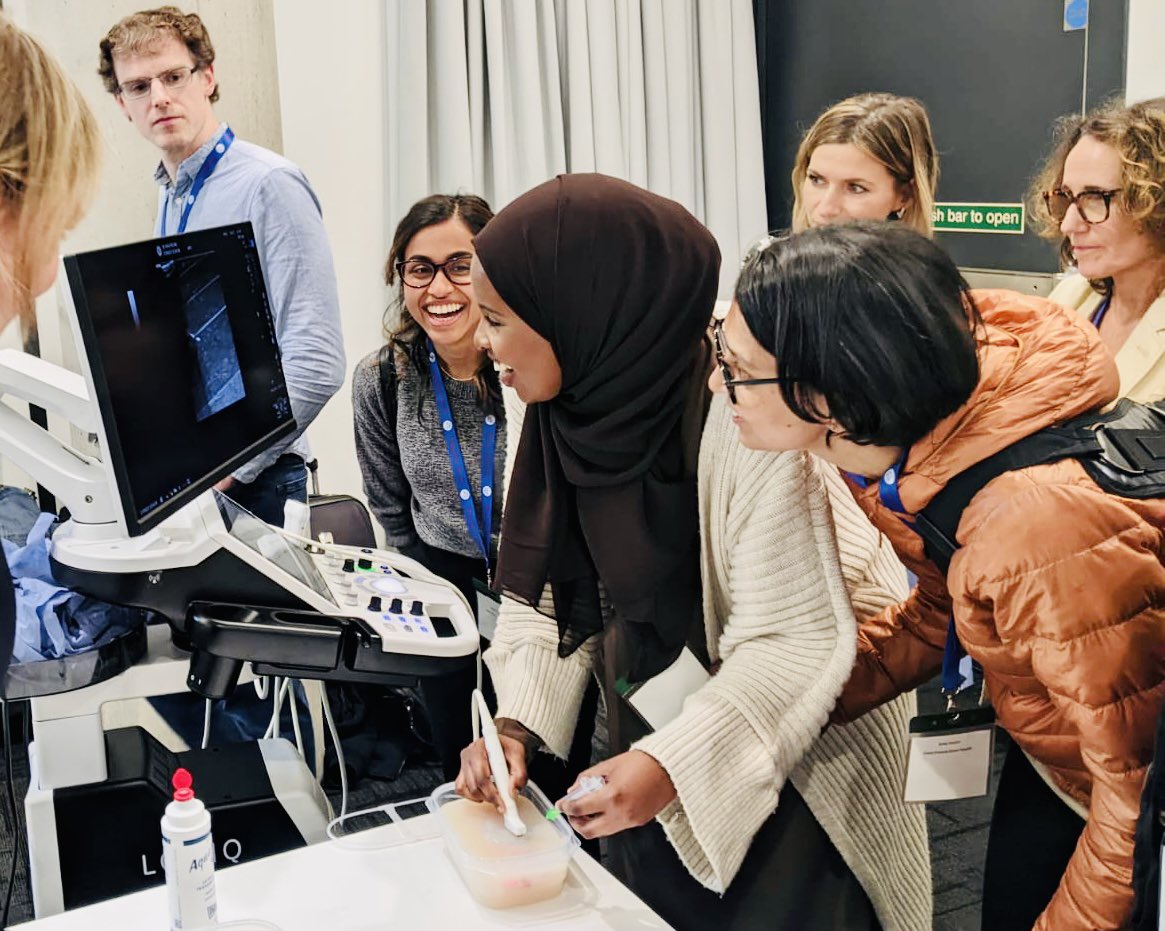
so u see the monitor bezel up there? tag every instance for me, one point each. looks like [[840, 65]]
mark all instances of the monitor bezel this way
[[93, 370]]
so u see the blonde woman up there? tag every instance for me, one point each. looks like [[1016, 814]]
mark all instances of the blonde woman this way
[[1101, 195], [48, 171], [868, 157]]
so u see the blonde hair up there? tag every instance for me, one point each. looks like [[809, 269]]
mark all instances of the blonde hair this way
[[892, 130], [1137, 133], [141, 31], [49, 157]]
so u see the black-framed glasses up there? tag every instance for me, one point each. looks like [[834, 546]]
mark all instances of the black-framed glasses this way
[[172, 80], [419, 273], [731, 383], [1093, 206]]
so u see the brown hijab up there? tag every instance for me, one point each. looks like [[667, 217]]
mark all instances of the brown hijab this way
[[621, 283]]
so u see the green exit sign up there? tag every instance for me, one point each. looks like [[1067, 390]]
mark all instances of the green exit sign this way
[[978, 218]]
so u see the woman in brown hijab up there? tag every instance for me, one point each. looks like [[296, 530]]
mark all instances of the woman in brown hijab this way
[[595, 297]]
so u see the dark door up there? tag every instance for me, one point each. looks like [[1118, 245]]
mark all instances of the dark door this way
[[994, 74]]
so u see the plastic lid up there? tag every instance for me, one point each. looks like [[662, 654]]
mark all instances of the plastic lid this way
[[182, 782]]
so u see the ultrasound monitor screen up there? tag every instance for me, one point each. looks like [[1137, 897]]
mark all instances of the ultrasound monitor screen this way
[[180, 341]]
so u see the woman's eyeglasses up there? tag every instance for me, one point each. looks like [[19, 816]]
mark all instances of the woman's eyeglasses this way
[[1093, 206], [419, 273], [731, 383]]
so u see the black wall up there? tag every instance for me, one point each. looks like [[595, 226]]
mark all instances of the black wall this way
[[994, 75]]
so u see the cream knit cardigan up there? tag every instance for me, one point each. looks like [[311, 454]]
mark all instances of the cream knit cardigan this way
[[779, 614]]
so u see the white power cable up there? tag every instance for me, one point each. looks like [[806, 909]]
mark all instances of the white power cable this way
[[206, 724], [294, 706], [339, 753]]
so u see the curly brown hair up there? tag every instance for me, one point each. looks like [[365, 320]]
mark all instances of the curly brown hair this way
[[140, 31], [1137, 132]]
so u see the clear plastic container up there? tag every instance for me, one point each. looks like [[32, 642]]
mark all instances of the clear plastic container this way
[[500, 870]]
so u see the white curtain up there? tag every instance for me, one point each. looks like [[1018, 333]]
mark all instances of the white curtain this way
[[496, 96]]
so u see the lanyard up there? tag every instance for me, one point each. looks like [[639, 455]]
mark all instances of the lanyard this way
[[479, 531], [953, 651], [207, 169], [1098, 314]]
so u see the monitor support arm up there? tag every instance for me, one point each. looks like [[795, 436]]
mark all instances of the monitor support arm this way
[[77, 480]]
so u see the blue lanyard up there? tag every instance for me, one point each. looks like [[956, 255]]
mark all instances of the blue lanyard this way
[[1098, 314], [207, 169], [952, 650], [479, 531]]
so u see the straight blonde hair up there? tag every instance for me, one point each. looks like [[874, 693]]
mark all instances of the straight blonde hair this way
[[49, 159], [892, 130]]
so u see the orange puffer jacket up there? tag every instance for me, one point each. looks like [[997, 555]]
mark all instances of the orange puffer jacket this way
[[1058, 590]]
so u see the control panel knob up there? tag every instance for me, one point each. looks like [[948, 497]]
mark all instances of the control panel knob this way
[[364, 563], [417, 609], [396, 607], [349, 565], [374, 603]]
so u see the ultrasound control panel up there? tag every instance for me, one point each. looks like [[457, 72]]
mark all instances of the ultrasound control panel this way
[[403, 610]]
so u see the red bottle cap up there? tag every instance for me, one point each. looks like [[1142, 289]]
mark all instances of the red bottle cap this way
[[182, 782]]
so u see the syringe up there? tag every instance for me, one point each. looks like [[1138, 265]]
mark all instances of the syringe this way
[[586, 786]]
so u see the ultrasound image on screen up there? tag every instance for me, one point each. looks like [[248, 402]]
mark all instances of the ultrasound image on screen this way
[[180, 340], [218, 379]]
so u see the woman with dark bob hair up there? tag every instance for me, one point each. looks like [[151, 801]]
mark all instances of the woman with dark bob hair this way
[[890, 368]]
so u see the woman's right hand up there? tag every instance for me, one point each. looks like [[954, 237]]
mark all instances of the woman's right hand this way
[[475, 781]]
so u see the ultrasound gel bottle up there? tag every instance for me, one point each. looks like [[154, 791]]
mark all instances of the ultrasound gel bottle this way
[[188, 859]]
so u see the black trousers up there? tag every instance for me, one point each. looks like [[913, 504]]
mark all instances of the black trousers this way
[[1033, 835], [792, 879]]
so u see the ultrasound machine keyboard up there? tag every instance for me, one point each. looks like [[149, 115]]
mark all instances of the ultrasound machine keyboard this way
[[364, 585]]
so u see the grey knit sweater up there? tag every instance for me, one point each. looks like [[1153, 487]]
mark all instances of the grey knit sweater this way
[[407, 477]]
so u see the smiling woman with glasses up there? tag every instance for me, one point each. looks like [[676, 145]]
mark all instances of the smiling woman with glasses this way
[[428, 374], [1101, 195]]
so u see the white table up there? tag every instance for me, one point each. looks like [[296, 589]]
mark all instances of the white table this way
[[412, 885]]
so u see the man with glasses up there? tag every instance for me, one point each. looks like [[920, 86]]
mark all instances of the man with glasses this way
[[159, 66]]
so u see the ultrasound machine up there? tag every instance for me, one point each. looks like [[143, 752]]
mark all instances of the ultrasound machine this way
[[181, 383]]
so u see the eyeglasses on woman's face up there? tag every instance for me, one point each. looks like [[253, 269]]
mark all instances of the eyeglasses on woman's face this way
[[419, 273], [731, 383], [1093, 206]]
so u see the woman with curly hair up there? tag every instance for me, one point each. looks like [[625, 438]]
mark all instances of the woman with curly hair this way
[[1101, 193]]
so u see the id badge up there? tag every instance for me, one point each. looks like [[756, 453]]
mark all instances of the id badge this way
[[950, 755], [489, 603], [660, 699]]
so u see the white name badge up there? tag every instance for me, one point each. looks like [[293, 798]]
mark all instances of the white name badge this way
[[489, 603], [660, 699], [950, 755]]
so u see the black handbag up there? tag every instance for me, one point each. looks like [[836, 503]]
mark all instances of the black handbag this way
[[346, 518]]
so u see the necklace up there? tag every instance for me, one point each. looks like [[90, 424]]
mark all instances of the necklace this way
[[446, 371]]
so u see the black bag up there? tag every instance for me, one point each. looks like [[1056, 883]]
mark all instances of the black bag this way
[[1123, 451], [343, 516]]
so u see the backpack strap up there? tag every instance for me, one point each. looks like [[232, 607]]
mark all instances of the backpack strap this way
[[939, 520], [386, 366]]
